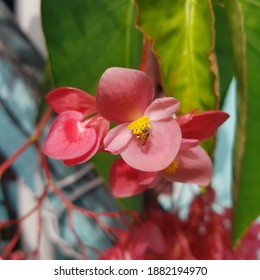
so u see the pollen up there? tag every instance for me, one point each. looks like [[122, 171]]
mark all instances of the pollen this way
[[172, 167], [140, 125]]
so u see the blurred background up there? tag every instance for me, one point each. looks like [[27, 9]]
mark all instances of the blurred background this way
[[22, 65], [28, 16]]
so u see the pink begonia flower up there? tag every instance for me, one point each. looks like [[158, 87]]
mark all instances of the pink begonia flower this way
[[201, 126], [191, 165], [147, 137], [73, 137]]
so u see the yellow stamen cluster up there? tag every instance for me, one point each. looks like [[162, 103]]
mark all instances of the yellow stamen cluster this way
[[172, 167], [139, 125]]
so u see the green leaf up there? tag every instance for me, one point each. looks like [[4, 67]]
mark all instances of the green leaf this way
[[244, 23], [223, 51], [183, 40], [86, 37]]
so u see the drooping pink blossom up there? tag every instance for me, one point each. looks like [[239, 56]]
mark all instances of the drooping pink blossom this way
[[148, 137], [191, 165], [203, 234], [74, 137]]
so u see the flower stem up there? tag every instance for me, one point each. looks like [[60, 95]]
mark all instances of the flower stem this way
[[33, 138]]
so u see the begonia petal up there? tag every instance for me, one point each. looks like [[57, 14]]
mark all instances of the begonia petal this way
[[204, 125], [117, 139], [124, 180], [162, 108], [188, 143], [68, 138], [123, 94], [194, 166], [101, 126], [147, 178], [68, 98], [78, 160], [184, 118], [160, 149]]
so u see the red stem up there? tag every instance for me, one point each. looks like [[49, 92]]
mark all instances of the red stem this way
[[71, 225], [34, 137]]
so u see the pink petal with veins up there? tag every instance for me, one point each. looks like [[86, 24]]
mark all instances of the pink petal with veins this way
[[117, 139], [160, 149], [123, 94], [101, 127], [188, 143], [147, 178], [194, 166], [204, 125], [162, 108], [83, 158], [68, 138], [68, 98]]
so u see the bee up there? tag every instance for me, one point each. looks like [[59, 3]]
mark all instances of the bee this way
[[143, 136]]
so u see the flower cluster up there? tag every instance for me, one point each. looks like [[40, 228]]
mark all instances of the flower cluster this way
[[204, 234], [153, 143]]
